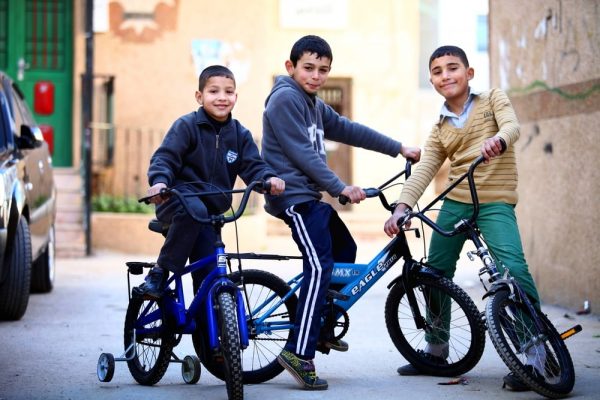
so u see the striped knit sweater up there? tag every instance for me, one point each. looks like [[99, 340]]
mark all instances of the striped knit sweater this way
[[492, 114]]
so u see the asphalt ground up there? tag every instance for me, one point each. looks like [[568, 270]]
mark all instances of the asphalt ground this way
[[52, 352]]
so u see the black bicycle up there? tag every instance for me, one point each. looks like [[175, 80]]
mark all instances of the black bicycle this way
[[518, 330]]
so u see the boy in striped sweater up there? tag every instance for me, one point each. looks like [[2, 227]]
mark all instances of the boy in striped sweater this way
[[470, 124]]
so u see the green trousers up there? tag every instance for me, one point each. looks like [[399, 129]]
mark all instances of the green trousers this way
[[498, 225]]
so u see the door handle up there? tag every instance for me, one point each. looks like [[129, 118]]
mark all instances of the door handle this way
[[22, 65]]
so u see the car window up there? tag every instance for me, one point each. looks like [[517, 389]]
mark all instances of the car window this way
[[23, 114]]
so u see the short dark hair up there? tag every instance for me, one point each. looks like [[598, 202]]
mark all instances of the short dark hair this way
[[212, 71], [311, 44], [449, 51]]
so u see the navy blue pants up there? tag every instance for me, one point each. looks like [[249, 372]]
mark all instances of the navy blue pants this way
[[322, 238], [186, 238]]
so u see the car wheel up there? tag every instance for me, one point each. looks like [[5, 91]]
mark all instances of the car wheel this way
[[43, 269], [14, 292]]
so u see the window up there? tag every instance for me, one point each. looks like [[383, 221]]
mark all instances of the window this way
[[482, 33]]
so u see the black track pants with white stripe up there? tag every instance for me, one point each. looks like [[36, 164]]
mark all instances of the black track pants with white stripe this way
[[321, 237]]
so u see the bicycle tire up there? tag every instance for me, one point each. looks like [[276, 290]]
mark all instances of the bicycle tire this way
[[508, 320], [147, 365], [229, 334], [466, 338], [259, 359]]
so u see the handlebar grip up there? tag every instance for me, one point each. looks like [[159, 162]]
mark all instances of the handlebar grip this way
[[370, 192], [266, 186], [164, 193]]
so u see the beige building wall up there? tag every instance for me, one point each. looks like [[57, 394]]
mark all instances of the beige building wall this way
[[374, 43], [546, 57]]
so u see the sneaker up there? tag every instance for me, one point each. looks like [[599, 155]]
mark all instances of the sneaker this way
[[302, 370], [513, 383], [152, 287], [337, 345], [411, 370]]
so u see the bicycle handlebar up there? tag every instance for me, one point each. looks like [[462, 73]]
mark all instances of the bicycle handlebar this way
[[460, 225], [165, 193], [374, 192]]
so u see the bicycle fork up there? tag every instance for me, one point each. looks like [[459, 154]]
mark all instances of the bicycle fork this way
[[508, 283]]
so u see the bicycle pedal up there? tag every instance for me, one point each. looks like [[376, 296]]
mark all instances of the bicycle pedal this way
[[334, 294], [571, 331]]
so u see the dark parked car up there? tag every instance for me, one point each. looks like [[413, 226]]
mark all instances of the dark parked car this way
[[27, 205]]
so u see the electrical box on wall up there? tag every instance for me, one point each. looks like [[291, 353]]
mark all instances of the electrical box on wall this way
[[43, 98]]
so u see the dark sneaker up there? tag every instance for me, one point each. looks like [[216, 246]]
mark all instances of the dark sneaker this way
[[152, 287], [337, 345], [410, 370], [513, 383], [302, 370]]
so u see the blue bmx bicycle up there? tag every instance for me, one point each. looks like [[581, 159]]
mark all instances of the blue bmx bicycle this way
[[271, 307], [154, 327]]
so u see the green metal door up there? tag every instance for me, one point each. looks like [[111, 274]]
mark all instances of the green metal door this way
[[36, 47]]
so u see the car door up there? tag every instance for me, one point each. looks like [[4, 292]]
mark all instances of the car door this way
[[35, 172], [7, 172]]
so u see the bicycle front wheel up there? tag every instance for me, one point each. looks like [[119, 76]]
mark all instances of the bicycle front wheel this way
[[450, 318], [269, 327], [148, 341], [538, 356], [230, 346]]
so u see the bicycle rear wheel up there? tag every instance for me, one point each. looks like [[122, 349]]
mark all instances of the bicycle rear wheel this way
[[230, 346], [437, 297], [518, 341], [149, 356]]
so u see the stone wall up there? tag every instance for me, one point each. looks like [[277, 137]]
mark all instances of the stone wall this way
[[546, 57]]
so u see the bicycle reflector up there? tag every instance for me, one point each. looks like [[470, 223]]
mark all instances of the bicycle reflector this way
[[570, 332]]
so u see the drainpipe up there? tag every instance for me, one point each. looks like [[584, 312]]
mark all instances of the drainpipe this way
[[87, 93]]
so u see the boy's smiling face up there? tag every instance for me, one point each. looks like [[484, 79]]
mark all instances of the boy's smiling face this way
[[310, 72], [450, 77], [218, 97]]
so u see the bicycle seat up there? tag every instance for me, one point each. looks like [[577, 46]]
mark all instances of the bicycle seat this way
[[158, 226], [137, 267]]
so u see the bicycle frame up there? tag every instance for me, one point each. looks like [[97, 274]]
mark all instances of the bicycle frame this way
[[202, 307]]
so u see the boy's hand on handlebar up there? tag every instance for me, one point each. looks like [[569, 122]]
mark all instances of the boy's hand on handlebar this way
[[492, 147], [391, 227], [277, 185], [155, 191], [354, 193], [411, 153]]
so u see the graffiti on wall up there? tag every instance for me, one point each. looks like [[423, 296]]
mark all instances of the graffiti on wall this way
[[555, 46], [233, 55], [142, 20]]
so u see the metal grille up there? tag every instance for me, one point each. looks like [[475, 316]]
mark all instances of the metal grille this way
[[45, 35]]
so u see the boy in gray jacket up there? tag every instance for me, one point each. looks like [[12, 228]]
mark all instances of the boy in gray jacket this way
[[295, 124]]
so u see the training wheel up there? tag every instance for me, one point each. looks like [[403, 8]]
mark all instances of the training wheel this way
[[106, 367], [190, 369]]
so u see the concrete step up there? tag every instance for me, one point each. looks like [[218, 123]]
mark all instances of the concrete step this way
[[70, 233]]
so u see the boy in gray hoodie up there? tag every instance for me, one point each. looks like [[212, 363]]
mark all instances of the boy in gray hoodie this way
[[295, 124]]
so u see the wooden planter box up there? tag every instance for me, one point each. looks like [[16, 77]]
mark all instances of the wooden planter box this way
[[129, 233]]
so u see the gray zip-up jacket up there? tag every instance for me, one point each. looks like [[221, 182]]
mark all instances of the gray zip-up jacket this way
[[295, 125]]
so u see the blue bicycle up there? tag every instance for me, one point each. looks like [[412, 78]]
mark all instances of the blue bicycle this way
[[154, 328], [270, 305]]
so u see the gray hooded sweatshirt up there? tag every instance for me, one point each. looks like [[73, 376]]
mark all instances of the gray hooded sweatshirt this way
[[295, 125]]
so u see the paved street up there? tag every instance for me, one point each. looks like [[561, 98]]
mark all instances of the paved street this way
[[52, 352]]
